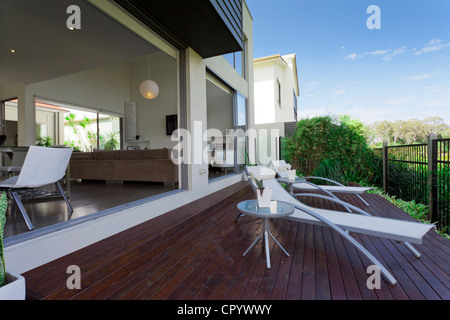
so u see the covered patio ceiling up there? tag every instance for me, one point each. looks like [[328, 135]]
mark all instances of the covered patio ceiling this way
[[45, 48], [210, 27]]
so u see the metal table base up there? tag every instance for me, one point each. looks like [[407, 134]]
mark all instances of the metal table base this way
[[266, 233]]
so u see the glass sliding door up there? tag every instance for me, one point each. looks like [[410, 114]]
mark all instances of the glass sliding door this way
[[109, 132], [81, 129], [240, 116], [9, 118], [227, 127], [220, 125]]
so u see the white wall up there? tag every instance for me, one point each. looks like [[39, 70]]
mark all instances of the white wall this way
[[267, 75], [268, 141], [151, 114], [288, 88], [100, 88], [265, 95]]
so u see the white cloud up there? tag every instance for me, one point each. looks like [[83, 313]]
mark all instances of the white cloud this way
[[433, 45], [388, 55], [351, 56], [336, 93], [376, 53], [429, 90], [422, 76], [317, 112], [311, 86], [399, 101], [354, 56], [397, 52]]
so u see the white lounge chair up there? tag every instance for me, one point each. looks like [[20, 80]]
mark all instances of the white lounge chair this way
[[281, 168], [405, 232], [17, 161], [42, 166]]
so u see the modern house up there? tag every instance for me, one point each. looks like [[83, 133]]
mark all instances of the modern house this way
[[88, 58], [276, 89], [276, 95]]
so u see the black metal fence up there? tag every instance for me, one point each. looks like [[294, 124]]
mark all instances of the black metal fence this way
[[407, 172], [420, 172], [440, 185]]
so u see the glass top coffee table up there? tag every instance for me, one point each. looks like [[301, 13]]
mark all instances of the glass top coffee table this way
[[277, 209]]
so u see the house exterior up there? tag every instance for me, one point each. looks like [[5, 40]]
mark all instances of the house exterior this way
[[276, 89], [276, 93], [98, 64]]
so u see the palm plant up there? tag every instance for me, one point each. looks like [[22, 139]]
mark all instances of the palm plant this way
[[112, 143], [44, 141]]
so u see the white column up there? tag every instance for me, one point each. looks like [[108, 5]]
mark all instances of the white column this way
[[26, 125]]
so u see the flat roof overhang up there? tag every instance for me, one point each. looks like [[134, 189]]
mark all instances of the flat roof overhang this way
[[210, 27]]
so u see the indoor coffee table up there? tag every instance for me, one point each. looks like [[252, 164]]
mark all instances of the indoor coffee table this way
[[277, 209]]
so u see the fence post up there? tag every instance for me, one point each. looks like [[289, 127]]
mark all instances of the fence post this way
[[432, 188], [385, 167]]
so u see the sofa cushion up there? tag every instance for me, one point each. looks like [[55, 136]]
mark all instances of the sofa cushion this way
[[125, 165], [93, 169], [156, 154], [157, 170], [106, 155], [82, 156], [131, 154]]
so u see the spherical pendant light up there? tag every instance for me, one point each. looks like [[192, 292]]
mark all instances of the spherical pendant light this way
[[149, 89]]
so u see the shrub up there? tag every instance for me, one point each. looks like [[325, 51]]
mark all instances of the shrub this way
[[3, 207], [334, 148]]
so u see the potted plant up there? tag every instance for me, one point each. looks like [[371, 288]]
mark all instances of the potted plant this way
[[12, 286], [44, 141], [264, 194]]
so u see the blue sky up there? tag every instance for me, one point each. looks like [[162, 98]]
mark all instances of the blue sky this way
[[398, 72]]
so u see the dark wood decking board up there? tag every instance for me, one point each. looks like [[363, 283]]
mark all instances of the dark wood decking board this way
[[195, 252]]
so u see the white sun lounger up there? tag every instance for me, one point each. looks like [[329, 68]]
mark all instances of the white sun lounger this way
[[343, 222], [279, 166], [42, 166]]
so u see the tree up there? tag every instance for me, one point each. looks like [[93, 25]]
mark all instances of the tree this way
[[410, 131], [384, 130], [415, 131], [446, 133], [398, 130], [434, 125]]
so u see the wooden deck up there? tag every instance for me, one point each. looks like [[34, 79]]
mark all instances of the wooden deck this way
[[195, 253]]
